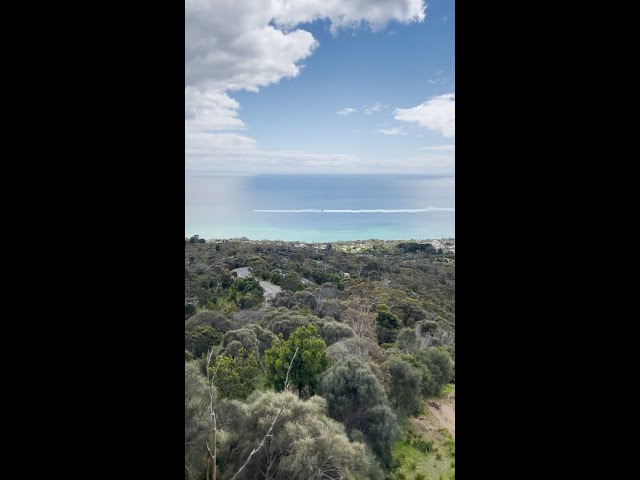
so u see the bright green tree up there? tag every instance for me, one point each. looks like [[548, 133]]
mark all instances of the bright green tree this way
[[388, 324], [246, 292], [235, 377], [310, 360]]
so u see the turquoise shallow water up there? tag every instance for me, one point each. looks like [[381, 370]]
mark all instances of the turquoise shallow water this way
[[224, 207]]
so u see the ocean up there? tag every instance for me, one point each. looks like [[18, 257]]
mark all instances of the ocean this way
[[320, 208]]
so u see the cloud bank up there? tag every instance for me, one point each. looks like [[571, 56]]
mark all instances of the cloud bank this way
[[248, 45]]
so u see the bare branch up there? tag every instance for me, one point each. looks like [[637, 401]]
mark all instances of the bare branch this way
[[286, 381], [257, 449], [213, 414], [191, 301]]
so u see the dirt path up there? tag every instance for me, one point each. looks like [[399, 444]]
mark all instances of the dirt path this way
[[444, 409], [440, 413]]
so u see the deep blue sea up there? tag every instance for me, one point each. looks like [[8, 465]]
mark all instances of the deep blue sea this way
[[338, 207]]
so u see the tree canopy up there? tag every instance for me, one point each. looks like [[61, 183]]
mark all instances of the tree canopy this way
[[303, 356]]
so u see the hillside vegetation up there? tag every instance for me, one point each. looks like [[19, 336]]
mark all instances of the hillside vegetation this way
[[335, 377]]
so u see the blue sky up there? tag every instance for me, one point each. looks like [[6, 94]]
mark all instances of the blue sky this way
[[264, 97]]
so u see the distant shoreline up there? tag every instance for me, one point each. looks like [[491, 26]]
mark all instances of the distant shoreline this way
[[336, 242]]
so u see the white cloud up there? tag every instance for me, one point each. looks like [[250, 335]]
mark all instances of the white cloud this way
[[442, 148], [240, 154], [247, 45], [230, 152], [371, 109], [392, 131], [346, 111], [438, 77], [231, 45], [210, 110], [348, 13], [438, 113]]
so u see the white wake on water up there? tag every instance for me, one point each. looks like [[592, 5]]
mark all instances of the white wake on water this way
[[401, 210]]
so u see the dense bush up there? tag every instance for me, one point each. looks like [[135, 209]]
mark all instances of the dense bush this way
[[440, 366], [356, 398], [375, 334], [305, 443], [404, 389]]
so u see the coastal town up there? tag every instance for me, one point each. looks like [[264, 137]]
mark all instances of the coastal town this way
[[371, 246]]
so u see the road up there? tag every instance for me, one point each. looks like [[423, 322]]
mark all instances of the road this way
[[241, 272], [269, 288]]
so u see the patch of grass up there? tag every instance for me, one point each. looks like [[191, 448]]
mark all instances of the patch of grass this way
[[409, 463], [426, 452], [447, 389]]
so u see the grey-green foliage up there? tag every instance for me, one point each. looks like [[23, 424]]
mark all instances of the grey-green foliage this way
[[265, 337], [216, 320], [330, 307], [440, 366], [201, 339], [404, 390], [427, 327], [408, 341], [244, 337], [356, 398], [286, 323], [305, 443], [333, 331], [252, 338], [205, 330], [198, 425], [306, 298], [354, 346], [362, 348]]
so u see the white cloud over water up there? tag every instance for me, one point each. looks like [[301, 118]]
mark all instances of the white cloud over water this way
[[438, 113]]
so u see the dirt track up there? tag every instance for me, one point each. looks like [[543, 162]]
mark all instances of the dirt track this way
[[445, 413]]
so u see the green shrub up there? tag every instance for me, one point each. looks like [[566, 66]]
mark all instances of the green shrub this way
[[423, 445]]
